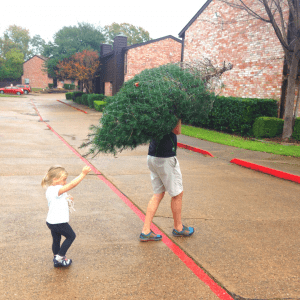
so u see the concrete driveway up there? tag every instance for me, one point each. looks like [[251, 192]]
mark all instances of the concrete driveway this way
[[246, 223]]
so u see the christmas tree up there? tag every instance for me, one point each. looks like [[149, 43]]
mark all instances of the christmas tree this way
[[149, 106]]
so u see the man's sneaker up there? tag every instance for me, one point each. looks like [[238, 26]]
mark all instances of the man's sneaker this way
[[186, 231], [151, 236], [64, 262]]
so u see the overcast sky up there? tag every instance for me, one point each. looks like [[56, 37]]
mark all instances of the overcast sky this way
[[159, 17]]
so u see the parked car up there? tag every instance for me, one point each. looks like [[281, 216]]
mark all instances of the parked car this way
[[25, 87], [12, 90]]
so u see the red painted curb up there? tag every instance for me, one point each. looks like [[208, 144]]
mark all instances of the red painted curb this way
[[194, 149], [266, 170], [72, 106], [215, 288]]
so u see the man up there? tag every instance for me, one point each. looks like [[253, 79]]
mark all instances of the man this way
[[165, 176]]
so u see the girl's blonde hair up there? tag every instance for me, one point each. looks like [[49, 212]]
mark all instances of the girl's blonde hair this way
[[53, 172]]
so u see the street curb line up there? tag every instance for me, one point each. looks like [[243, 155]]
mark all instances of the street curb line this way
[[194, 149], [72, 106], [273, 172], [188, 261]]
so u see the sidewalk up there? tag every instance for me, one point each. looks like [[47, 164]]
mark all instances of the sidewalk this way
[[246, 223], [227, 153]]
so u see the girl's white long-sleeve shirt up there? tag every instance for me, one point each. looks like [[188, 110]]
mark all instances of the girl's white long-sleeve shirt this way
[[58, 205]]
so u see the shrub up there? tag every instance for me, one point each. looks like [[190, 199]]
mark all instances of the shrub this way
[[75, 94], [69, 96], [238, 114], [267, 127], [296, 133], [84, 99], [68, 86], [50, 85], [78, 99], [99, 105], [93, 97]]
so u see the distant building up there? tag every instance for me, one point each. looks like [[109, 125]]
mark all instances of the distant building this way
[[122, 62], [35, 75]]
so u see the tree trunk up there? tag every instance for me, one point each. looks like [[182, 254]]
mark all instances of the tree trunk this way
[[290, 97], [297, 103]]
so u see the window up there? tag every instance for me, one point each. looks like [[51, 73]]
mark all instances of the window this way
[[26, 80]]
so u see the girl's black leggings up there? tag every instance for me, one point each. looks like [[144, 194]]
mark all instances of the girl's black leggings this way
[[57, 230]]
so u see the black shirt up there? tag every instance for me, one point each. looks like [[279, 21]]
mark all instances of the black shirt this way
[[166, 147]]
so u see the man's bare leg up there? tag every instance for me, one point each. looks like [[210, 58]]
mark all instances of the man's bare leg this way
[[176, 206], [151, 210]]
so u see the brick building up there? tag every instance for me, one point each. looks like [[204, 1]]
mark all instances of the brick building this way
[[35, 76], [122, 62], [223, 33]]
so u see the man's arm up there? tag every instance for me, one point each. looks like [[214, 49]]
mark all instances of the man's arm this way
[[177, 129]]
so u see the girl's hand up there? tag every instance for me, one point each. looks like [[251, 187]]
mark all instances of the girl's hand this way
[[67, 187], [86, 170]]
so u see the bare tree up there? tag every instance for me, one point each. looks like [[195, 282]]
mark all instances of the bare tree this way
[[284, 16], [208, 71], [297, 102]]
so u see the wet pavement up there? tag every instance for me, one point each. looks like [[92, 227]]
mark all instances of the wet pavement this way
[[246, 223]]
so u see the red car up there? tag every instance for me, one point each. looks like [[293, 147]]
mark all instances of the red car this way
[[12, 90], [26, 88]]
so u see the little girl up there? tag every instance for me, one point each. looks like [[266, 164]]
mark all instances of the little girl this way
[[58, 214]]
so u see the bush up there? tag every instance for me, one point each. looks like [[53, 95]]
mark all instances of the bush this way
[[267, 127], [232, 114], [75, 94], [84, 99], [68, 86], [92, 97], [50, 85], [78, 99], [69, 96], [99, 105], [296, 133]]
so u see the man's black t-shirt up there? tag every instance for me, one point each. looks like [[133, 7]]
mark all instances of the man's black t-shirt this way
[[166, 147]]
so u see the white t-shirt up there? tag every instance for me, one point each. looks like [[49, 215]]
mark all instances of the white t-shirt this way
[[58, 205]]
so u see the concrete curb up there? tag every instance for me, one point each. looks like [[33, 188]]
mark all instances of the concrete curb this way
[[273, 172], [249, 165], [72, 106], [194, 149]]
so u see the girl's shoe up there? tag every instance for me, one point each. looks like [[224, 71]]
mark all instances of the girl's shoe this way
[[151, 236], [61, 263], [186, 231]]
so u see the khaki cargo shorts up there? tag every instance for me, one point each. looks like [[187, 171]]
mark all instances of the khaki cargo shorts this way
[[165, 175]]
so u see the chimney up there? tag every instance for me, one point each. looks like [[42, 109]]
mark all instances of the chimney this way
[[120, 41], [105, 48]]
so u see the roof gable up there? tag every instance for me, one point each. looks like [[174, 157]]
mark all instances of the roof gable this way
[[39, 56], [181, 33], [153, 41]]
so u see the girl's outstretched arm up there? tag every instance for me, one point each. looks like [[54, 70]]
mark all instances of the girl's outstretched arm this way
[[75, 181]]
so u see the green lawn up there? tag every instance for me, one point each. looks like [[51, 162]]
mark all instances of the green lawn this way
[[240, 142]]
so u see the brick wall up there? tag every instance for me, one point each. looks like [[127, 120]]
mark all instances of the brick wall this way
[[250, 45], [33, 70], [108, 89], [151, 55]]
